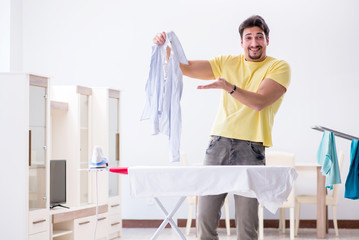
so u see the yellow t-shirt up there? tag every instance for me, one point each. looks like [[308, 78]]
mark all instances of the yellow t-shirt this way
[[236, 120]]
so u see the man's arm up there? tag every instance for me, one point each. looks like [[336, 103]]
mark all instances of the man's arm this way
[[200, 69], [269, 91]]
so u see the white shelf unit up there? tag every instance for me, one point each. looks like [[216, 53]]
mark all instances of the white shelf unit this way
[[79, 223], [60, 233], [106, 134], [25, 133], [83, 118], [39, 144], [71, 136]]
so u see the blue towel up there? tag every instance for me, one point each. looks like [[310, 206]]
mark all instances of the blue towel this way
[[327, 158], [352, 182]]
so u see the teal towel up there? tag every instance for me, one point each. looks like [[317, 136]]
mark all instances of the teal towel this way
[[352, 182], [327, 158]]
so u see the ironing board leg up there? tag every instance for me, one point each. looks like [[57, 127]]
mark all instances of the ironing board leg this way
[[169, 219]]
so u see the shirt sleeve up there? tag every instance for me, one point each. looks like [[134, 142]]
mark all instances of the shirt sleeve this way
[[217, 65], [280, 72]]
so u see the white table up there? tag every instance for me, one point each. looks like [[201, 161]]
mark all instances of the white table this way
[[270, 185], [310, 169]]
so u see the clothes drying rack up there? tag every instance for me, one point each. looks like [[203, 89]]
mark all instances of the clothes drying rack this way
[[322, 216], [336, 133]]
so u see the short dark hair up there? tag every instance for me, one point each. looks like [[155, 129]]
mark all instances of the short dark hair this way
[[254, 21]]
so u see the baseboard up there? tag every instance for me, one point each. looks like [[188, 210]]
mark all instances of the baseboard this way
[[349, 224], [147, 223]]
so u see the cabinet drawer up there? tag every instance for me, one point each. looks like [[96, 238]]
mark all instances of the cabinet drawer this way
[[114, 236], [40, 236], [102, 226], [84, 228], [115, 223], [114, 205], [38, 222]]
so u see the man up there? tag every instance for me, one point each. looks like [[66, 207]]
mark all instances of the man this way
[[254, 85]]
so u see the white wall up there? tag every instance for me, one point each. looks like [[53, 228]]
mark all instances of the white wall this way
[[5, 36], [108, 43], [16, 31], [11, 51]]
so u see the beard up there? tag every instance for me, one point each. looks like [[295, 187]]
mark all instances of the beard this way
[[254, 57], [257, 55]]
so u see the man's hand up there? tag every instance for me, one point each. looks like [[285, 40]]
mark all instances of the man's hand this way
[[268, 92], [220, 83], [200, 69], [160, 38]]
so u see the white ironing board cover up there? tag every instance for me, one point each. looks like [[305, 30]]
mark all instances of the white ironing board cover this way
[[271, 185]]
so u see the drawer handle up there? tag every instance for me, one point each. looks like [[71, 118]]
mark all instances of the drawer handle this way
[[39, 221], [115, 205], [103, 218], [114, 224], [83, 223]]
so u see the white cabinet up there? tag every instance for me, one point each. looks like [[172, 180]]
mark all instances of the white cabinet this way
[[33, 137], [114, 141], [84, 228], [91, 118], [25, 131], [39, 224], [80, 223], [106, 133], [115, 219], [70, 139], [39, 236], [102, 226], [39, 142]]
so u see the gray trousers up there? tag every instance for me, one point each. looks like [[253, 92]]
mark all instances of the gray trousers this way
[[226, 151]]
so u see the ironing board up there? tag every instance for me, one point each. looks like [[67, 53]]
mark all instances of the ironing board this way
[[271, 185]]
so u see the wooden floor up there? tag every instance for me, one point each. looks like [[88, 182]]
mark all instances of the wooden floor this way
[[269, 234]]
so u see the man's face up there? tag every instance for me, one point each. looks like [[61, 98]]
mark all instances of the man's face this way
[[254, 43]]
